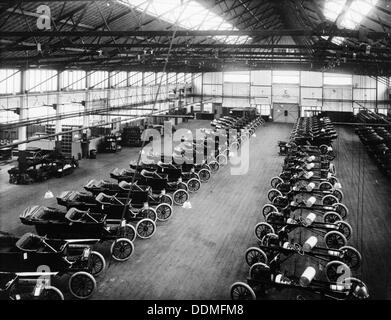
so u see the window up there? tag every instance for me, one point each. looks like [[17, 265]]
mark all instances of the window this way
[[149, 78], [187, 14], [99, 79], [161, 78], [265, 110], [119, 79], [9, 81], [237, 77], [286, 77], [136, 79], [181, 78], [337, 79], [171, 78], [188, 79], [41, 80], [73, 79]]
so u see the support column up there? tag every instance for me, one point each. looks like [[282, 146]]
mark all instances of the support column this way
[[23, 111], [87, 101], [108, 96], [58, 123]]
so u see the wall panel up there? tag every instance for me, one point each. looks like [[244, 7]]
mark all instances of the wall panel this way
[[311, 79], [236, 89], [261, 77], [286, 93]]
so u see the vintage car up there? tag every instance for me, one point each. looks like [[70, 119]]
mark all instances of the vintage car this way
[[31, 253], [27, 286], [84, 226]]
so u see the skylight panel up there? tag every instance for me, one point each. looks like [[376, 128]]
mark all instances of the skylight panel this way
[[189, 15], [333, 8], [357, 12], [353, 16]]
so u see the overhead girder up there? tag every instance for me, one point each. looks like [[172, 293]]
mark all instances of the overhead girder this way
[[347, 33]]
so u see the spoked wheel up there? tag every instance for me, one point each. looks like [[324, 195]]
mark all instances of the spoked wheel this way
[[222, 159], [97, 263], [333, 180], [341, 209], [267, 209], [206, 167], [259, 271], [281, 202], [344, 228], [193, 185], [323, 149], [331, 217], [214, 166], [128, 232], [325, 186], [149, 213], [234, 146], [330, 156], [338, 194], [262, 229], [82, 285], [335, 240], [273, 193], [145, 228], [254, 255], [121, 249], [269, 240], [204, 175], [275, 182], [180, 197], [335, 269], [51, 293], [242, 291], [163, 211], [329, 200], [165, 198], [182, 185], [351, 256]]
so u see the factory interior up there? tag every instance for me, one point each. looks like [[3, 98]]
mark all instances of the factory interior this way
[[195, 150]]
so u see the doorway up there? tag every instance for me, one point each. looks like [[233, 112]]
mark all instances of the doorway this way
[[285, 112]]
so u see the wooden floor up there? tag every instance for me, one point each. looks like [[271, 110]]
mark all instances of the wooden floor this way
[[368, 197], [199, 253]]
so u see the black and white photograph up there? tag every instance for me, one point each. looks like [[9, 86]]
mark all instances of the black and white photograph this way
[[198, 152]]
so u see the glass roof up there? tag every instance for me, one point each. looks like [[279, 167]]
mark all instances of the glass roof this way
[[357, 11], [188, 14]]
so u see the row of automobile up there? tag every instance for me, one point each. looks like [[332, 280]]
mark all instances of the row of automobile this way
[[377, 142], [305, 202], [106, 211], [36, 165]]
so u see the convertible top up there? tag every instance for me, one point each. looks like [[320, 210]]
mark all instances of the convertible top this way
[[75, 215], [30, 242], [106, 199], [99, 184], [93, 183], [42, 213]]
